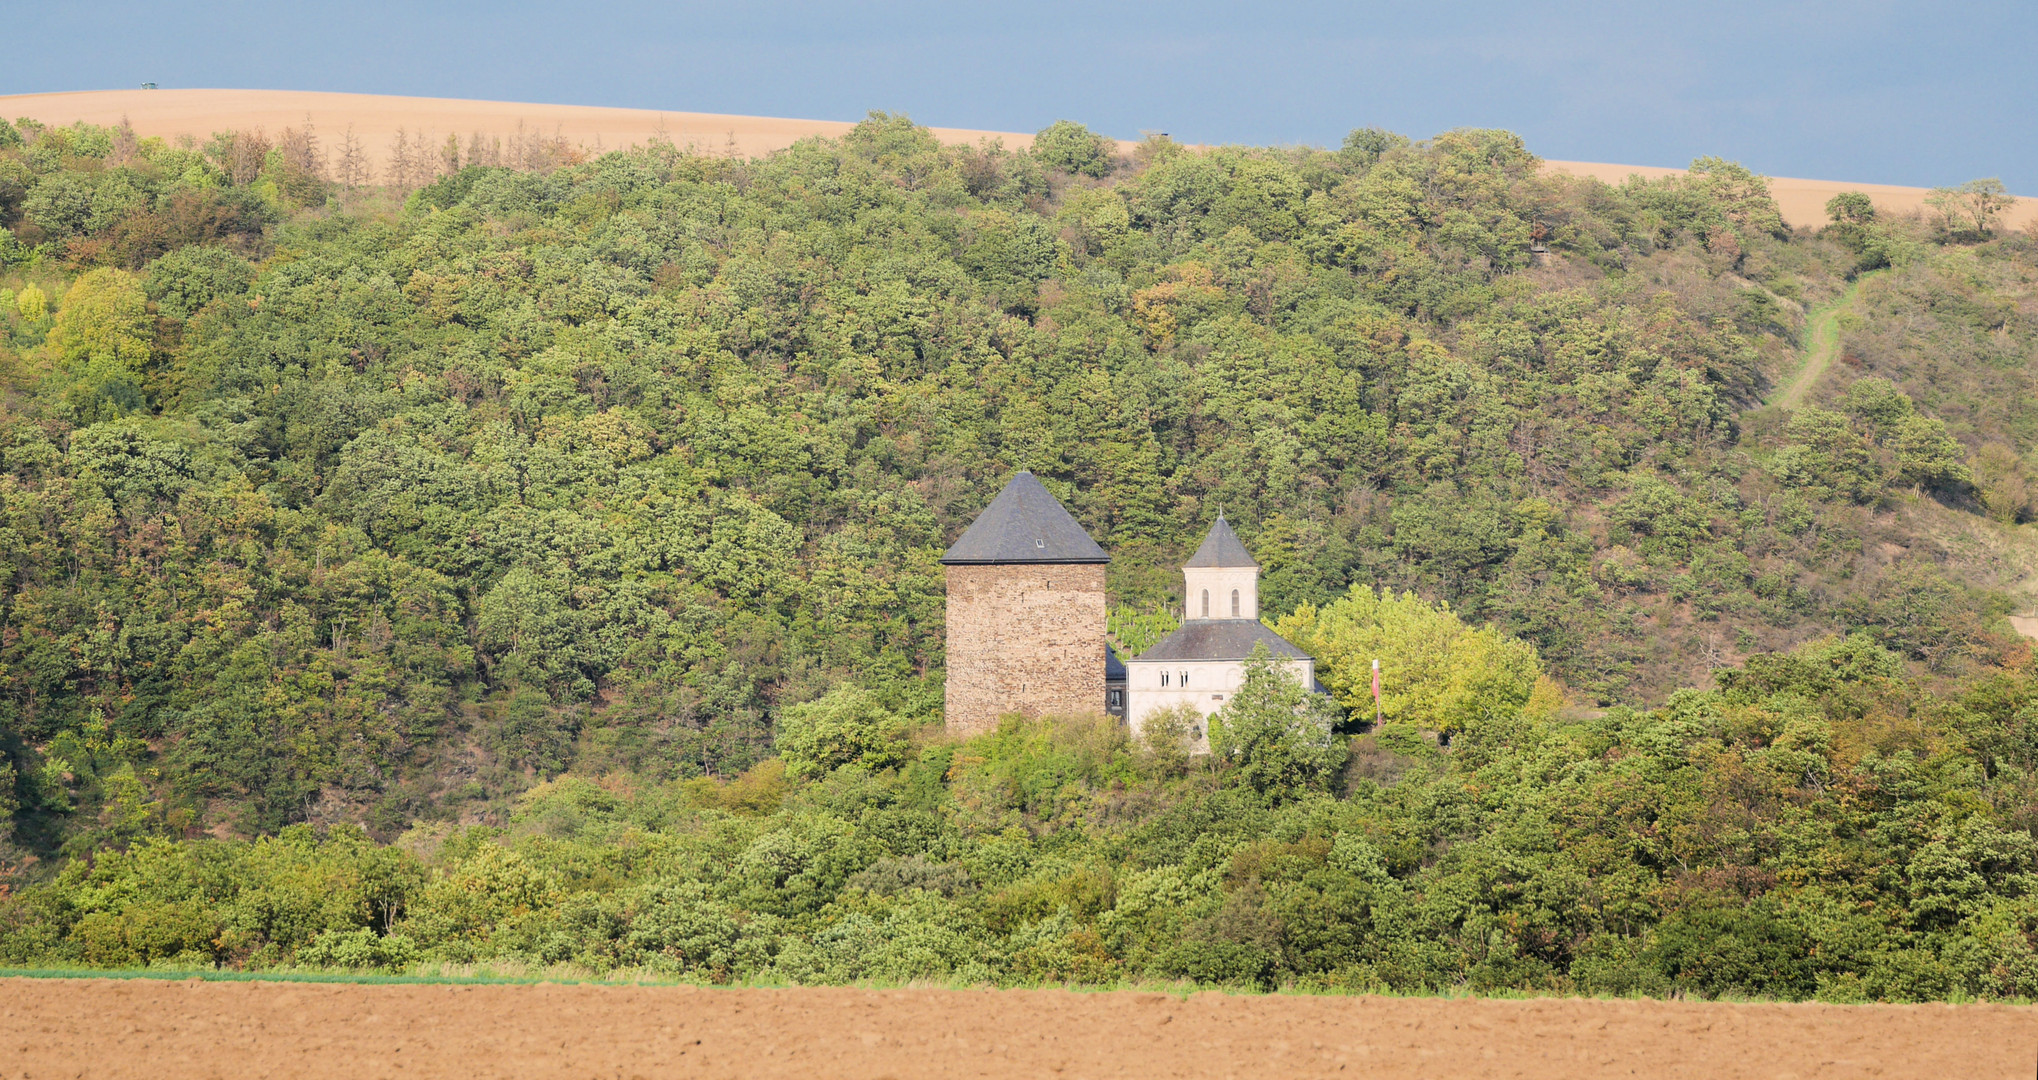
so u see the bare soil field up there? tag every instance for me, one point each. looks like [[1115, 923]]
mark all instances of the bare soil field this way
[[98, 1028], [1802, 202], [376, 119]]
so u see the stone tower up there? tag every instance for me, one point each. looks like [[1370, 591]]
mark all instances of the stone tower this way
[[1026, 613]]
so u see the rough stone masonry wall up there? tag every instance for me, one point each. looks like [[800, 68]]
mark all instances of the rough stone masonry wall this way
[[1024, 638]]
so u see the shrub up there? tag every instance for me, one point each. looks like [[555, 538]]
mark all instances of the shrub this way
[[32, 302], [1435, 669], [1278, 735], [1850, 206], [101, 343], [1071, 147], [1167, 736], [680, 928], [847, 726], [189, 278], [361, 949]]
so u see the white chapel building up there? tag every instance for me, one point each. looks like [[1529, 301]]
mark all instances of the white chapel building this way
[[1203, 663]]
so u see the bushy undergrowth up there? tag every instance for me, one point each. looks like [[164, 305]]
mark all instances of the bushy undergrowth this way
[[1821, 826]]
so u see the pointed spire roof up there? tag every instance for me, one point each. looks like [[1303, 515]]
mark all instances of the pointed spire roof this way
[[1221, 548], [1025, 524]]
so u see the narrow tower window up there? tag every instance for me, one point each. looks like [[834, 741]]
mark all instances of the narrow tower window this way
[[1164, 678], [1234, 603], [1206, 603]]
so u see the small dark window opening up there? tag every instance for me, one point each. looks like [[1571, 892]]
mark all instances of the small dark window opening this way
[[1234, 603]]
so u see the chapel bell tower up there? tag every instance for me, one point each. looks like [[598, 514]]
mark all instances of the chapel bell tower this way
[[1221, 580]]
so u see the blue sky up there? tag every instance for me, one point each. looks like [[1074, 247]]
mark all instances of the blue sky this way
[[1870, 91]]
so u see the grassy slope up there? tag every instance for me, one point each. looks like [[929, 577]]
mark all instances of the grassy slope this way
[[1942, 331], [1822, 344]]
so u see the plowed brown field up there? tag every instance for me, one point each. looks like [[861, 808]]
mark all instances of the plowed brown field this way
[[147, 1028]]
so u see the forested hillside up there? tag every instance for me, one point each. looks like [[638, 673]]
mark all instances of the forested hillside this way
[[364, 505]]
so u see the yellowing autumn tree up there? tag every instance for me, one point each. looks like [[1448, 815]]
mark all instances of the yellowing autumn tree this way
[[32, 303], [1435, 670], [100, 344]]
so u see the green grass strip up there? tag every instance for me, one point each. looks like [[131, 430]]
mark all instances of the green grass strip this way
[[295, 976]]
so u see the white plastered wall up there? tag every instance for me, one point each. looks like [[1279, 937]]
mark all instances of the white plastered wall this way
[[1218, 582], [1209, 685]]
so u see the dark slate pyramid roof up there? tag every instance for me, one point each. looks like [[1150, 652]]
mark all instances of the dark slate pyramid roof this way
[[1220, 639], [1221, 548], [1025, 524]]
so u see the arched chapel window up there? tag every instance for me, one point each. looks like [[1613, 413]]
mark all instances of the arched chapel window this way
[[1164, 678], [1234, 603], [1206, 603]]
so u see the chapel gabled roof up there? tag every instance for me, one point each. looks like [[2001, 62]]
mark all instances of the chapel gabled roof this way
[[1220, 639], [1024, 524], [1221, 548]]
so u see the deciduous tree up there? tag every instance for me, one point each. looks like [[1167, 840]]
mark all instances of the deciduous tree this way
[[1277, 734]]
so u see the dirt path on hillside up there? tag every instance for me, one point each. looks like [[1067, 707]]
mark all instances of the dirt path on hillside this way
[[1822, 345], [96, 1028]]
